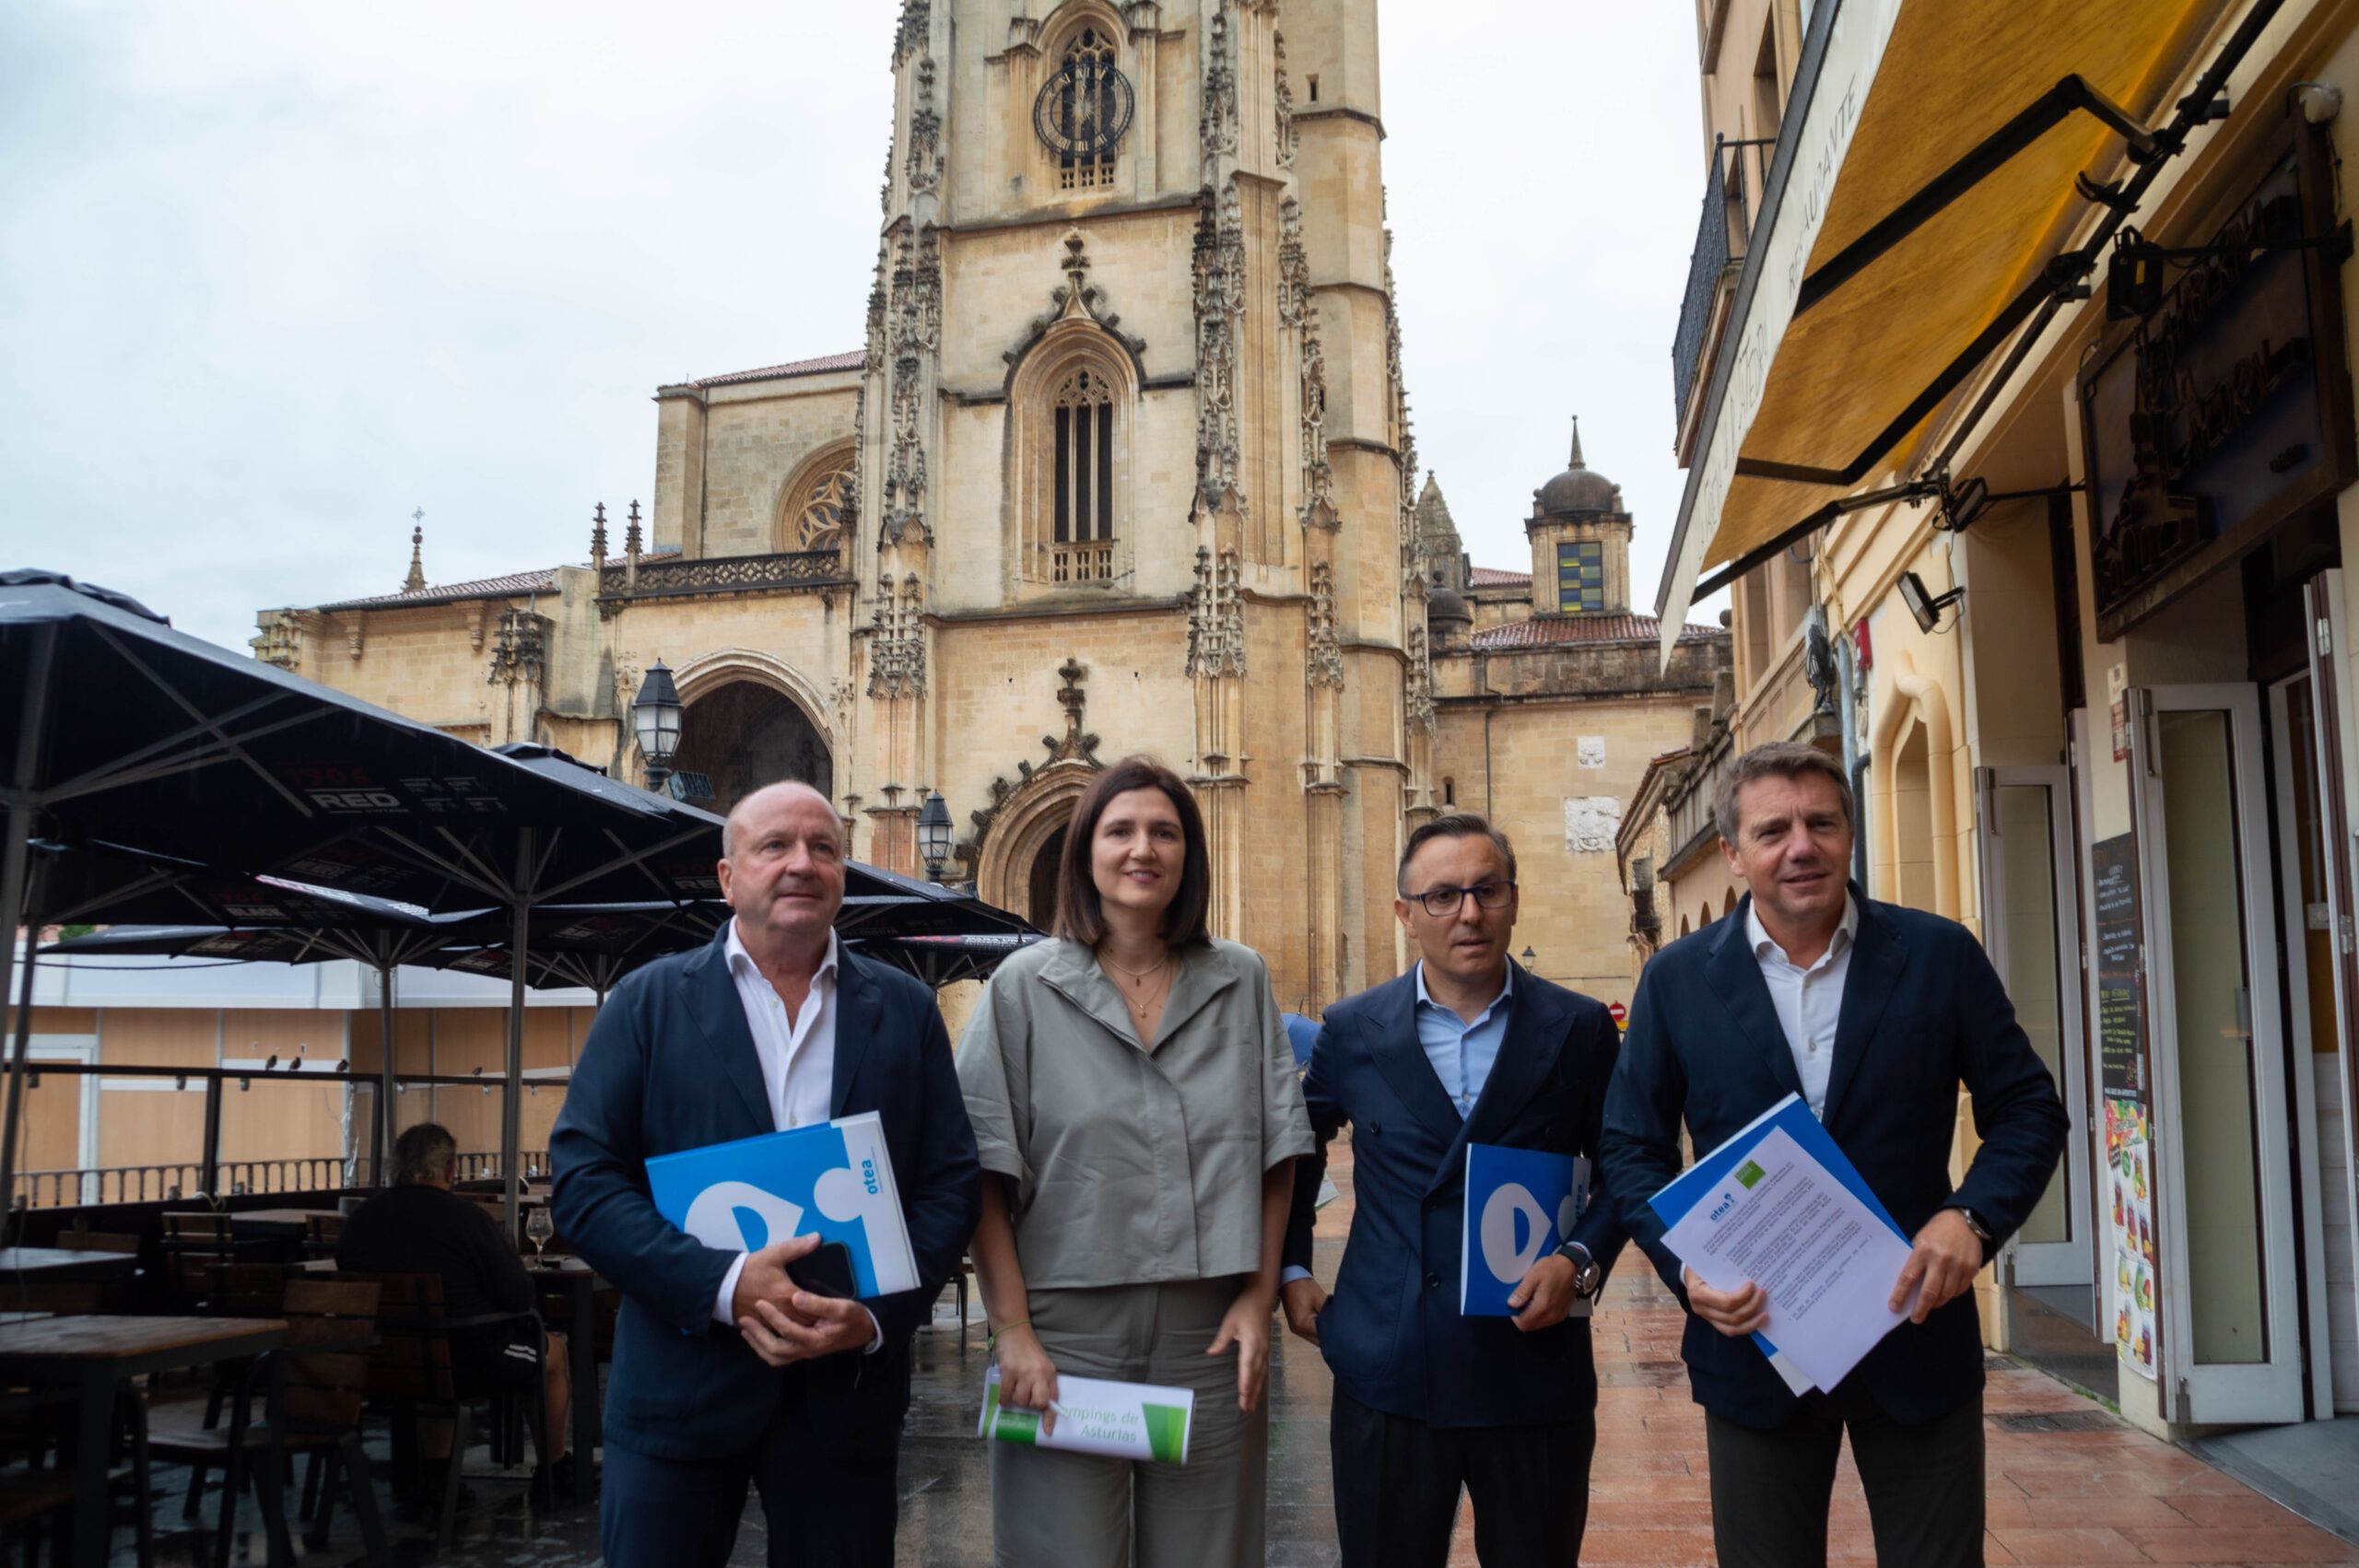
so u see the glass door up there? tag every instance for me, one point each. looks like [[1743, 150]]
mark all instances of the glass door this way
[[2325, 1115], [2030, 924], [2231, 1333]]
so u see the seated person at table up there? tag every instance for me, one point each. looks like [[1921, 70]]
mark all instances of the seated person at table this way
[[419, 1226]]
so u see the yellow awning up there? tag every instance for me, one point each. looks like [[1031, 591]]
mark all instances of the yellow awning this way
[[1950, 74]]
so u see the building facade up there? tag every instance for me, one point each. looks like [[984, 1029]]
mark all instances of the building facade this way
[[2061, 580], [1124, 465]]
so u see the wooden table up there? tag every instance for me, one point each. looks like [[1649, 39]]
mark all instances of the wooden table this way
[[277, 1219], [49, 1264], [93, 1355], [572, 1277]]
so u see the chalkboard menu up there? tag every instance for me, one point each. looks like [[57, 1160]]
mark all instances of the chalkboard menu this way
[[2122, 998]]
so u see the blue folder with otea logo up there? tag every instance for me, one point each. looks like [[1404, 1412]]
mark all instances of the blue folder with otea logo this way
[[833, 1179], [1521, 1205]]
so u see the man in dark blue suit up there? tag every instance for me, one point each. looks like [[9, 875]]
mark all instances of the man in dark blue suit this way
[[1875, 1014], [724, 1371], [1464, 1049]]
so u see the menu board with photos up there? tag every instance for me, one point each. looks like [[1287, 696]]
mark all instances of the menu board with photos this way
[[2121, 997]]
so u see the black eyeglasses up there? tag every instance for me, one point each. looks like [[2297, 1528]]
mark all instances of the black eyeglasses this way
[[1441, 901]]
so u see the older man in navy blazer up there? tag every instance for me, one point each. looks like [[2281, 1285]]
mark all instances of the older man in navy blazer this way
[[1875, 1014], [724, 1371], [1464, 1049]]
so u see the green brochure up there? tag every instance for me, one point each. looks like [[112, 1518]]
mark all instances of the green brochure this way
[[1123, 1421]]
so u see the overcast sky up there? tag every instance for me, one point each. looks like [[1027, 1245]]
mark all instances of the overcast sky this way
[[272, 276]]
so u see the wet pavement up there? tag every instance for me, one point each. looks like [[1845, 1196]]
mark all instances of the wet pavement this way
[[2069, 1483]]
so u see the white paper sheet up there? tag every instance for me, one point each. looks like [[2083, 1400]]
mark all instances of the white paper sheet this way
[[1781, 1220]]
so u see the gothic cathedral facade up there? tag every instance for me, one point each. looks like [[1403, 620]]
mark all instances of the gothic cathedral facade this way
[[1123, 465]]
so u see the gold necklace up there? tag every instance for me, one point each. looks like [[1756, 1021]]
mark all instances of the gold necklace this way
[[1141, 1005], [1138, 977]]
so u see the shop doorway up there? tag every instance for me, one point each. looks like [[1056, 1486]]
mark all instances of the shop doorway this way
[[2230, 1314], [2031, 922]]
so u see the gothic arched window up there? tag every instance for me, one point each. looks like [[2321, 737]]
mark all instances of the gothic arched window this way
[[1091, 106], [1082, 510], [816, 511]]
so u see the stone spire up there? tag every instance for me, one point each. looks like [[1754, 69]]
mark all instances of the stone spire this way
[[598, 538], [1442, 553], [1576, 462], [417, 578]]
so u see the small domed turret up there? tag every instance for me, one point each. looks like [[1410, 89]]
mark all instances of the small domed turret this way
[[1578, 491]]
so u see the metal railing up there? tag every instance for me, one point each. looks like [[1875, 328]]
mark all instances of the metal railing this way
[[213, 1175], [93, 1185], [1721, 231]]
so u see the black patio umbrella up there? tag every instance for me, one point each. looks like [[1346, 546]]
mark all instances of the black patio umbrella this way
[[369, 931], [129, 731], [931, 932], [942, 960], [589, 945]]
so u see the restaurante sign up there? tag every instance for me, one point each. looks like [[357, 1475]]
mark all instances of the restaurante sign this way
[[2228, 408]]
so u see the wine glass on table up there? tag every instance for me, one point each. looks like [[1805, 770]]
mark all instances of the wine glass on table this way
[[539, 1229]]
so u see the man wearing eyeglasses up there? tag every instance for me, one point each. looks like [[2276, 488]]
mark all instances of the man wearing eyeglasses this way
[[1464, 1048]]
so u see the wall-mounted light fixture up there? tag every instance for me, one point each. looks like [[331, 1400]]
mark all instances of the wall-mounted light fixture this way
[[1921, 601]]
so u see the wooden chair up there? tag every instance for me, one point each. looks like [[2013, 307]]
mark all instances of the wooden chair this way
[[193, 1244], [247, 1290], [31, 1498], [331, 1328], [96, 1241], [52, 1295], [320, 1233], [413, 1371], [31, 1501]]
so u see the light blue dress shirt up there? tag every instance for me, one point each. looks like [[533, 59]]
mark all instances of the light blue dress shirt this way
[[1463, 1052]]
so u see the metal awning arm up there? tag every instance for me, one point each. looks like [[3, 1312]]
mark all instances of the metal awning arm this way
[[2044, 113], [1915, 490]]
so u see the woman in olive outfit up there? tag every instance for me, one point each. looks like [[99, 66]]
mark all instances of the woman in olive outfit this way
[[1135, 1105]]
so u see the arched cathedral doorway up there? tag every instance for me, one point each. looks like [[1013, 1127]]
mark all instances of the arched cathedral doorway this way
[[743, 736], [1042, 910]]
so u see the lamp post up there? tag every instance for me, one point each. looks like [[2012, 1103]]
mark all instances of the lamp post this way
[[655, 719], [1529, 958], [933, 834]]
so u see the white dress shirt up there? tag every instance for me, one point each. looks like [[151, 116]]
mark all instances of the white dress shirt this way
[[798, 1058], [1809, 1001]]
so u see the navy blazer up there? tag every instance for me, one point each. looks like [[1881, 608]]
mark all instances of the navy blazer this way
[[1922, 1011], [670, 1065], [1392, 1332]]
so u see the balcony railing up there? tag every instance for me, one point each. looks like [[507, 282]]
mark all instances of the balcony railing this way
[[1730, 201], [670, 577], [1092, 562], [221, 1171], [151, 1184]]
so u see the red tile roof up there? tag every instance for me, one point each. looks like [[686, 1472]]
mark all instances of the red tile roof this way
[[504, 587], [1550, 631], [513, 583], [1491, 576], [820, 366]]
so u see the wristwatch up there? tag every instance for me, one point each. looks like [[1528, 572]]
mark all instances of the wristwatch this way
[[1589, 1277], [1974, 1222]]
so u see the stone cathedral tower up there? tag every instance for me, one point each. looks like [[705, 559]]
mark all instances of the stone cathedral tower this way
[[1123, 464], [1132, 443]]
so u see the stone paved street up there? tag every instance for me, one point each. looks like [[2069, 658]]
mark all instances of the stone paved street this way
[[2096, 1493]]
